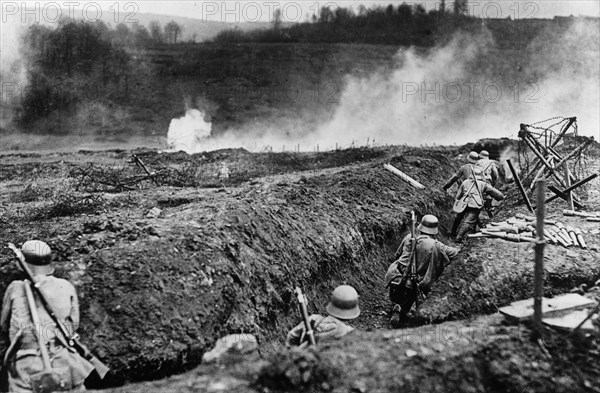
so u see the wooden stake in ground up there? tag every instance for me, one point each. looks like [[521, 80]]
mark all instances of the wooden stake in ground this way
[[568, 184], [520, 185], [539, 261]]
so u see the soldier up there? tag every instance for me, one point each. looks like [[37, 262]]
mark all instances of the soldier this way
[[489, 168], [432, 257], [343, 307], [23, 357], [464, 172], [472, 192], [490, 175]]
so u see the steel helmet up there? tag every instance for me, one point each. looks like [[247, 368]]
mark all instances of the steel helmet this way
[[38, 257], [344, 303], [429, 225], [484, 154], [473, 157]]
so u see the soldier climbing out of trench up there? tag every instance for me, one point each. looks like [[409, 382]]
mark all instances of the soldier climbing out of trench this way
[[461, 175], [426, 257], [470, 201], [342, 308]]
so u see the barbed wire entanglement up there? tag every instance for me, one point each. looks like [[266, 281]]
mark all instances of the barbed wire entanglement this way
[[552, 149]]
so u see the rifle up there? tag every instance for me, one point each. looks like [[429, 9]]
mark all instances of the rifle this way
[[412, 265], [303, 310], [71, 340]]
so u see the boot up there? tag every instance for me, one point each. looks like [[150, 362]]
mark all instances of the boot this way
[[396, 316]]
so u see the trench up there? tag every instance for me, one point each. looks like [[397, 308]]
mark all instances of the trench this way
[[365, 273]]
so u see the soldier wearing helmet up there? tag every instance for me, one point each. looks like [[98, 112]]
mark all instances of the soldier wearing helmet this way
[[432, 256], [473, 192], [343, 307], [23, 358], [464, 172], [488, 167]]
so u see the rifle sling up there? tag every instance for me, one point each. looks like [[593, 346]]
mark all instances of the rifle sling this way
[[476, 187]]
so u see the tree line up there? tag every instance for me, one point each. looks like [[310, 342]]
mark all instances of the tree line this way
[[405, 24], [81, 61]]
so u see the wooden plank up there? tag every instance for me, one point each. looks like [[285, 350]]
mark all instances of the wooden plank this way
[[538, 270], [568, 184], [404, 176], [523, 309], [570, 321]]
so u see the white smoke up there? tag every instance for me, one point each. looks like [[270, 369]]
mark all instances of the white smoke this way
[[189, 133], [454, 94], [13, 74]]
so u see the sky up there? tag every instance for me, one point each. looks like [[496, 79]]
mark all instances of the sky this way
[[292, 11]]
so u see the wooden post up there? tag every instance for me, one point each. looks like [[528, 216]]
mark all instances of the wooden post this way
[[539, 261], [568, 184], [564, 131], [152, 174], [519, 185]]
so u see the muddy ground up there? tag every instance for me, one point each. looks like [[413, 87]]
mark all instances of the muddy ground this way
[[223, 256]]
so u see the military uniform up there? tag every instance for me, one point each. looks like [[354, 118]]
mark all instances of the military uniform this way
[[465, 171], [342, 307], [462, 174], [490, 171], [324, 328], [432, 257], [474, 193], [16, 323]]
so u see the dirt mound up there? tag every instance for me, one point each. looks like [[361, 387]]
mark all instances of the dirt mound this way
[[482, 355]]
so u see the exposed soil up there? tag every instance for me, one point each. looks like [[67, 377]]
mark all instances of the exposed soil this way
[[224, 256]]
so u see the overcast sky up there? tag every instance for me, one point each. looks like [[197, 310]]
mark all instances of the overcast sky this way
[[293, 11]]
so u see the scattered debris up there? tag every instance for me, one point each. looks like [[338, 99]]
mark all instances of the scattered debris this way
[[523, 309], [581, 214], [232, 344], [154, 212], [520, 229]]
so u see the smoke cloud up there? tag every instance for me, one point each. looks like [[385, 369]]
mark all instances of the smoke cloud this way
[[13, 74], [463, 91], [189, 133]]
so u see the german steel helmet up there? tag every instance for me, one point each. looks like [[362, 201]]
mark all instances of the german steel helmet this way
[[473, 157], [484, 154], [38, 257], [429, 225], [344, 303]]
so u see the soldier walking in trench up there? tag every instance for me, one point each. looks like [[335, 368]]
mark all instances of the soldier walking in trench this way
[[470, 201], [427, 257], [461, 175], [26, 325], [489, 168]]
